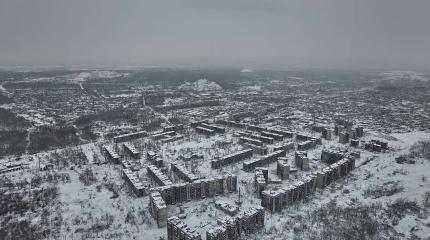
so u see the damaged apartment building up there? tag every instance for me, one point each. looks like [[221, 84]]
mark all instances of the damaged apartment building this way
[[301, 160], [158, 209], [178, 230], [276, 200], [111, 154], [131, 150], [231, 158], [133, 182], [198, 189], [283, 168], [182, 172], [158, 176], [306, 142], [261, 178], [251, 164], [233, 228], [376, 146]]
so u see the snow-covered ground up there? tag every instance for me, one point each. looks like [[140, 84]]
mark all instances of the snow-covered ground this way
[[251, 88], [404, 75], [37, 118], [382, 170], [76, 77], [202, 215], [107, 209], [200, 86], [83, 76]]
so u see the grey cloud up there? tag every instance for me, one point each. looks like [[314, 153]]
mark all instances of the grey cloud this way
[[269, 6], [218, 32]]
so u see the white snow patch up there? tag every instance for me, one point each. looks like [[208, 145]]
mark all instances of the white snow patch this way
[[251, 88], [201, 85], [83, 76], [406, 75]]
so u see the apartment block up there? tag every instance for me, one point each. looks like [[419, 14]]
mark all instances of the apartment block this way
[[275, 136], [283, 169], [158, 209], [112, 155], [199, 189], [133, 182], [251, 141], [301, 160], [183, 173], [231, 158], [260, 181], [159, 177], [269, 158], [178, 230], [205, 131], [130, 136], [131, 150], [234, 228]]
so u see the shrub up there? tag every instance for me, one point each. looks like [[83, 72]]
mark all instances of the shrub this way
[[387, 189], [400, 208], [47, 137], [87, 177], [421, 149], [333, 222], [426, 201], [102, 223]]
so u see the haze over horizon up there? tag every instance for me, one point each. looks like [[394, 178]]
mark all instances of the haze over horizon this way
[[237, 33]]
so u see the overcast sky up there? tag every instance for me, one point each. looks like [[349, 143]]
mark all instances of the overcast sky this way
[[362, 33]]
